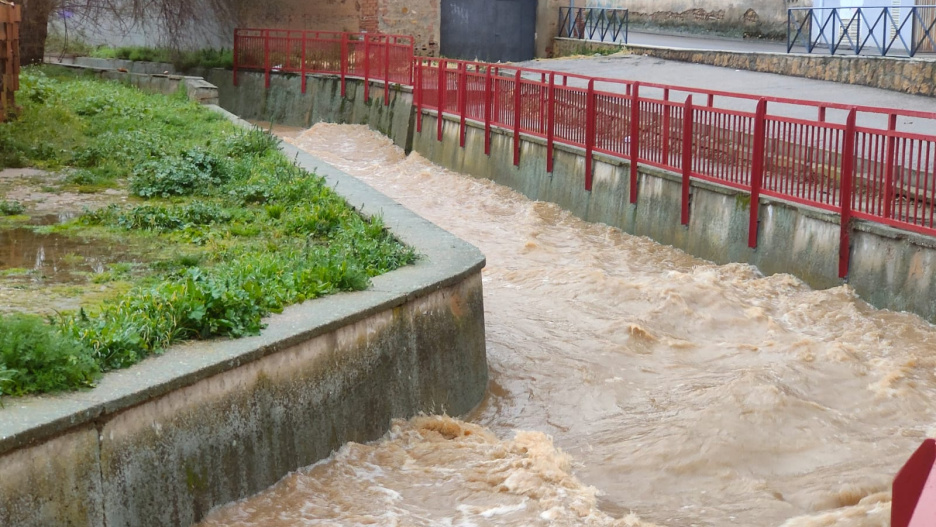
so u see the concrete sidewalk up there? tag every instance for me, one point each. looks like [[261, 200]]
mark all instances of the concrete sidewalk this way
[[641, 68]]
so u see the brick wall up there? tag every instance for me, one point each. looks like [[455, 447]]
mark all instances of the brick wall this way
[[419, 18]]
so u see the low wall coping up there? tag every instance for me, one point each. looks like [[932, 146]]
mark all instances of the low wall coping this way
[[444, 260]]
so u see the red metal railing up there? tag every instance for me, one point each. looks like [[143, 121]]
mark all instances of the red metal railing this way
[[914, 489], [857, 164], [385, 58], [852, 167], [868, 171]]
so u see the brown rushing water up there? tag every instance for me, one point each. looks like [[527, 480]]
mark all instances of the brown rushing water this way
[[628, 380]]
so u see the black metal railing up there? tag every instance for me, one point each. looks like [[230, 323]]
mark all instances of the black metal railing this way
[[903, 30], [594, 23]]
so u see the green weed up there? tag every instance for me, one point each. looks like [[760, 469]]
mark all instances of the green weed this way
[[11, 208], [37, 357], [238, 231]]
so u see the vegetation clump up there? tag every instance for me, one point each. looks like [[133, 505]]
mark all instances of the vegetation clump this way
[[235, 230], [182, 60]]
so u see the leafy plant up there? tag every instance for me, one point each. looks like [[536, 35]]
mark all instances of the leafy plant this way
[[194, 172], [37, 357], [11, 208]]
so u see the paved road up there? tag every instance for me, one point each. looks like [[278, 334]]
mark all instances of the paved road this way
[[649, 69]]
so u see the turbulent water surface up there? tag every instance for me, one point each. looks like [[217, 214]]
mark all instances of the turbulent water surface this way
[[631, 384]]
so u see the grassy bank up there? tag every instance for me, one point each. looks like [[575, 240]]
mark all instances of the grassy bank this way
[[218, 227], [183, 60]]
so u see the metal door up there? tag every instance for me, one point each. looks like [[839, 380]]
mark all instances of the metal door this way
[[488, 30]]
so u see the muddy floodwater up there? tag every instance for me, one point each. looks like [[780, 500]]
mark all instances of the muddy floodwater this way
[[631, 384]]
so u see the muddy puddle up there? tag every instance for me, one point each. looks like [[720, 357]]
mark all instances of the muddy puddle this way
[[43, 272], [53, 258]]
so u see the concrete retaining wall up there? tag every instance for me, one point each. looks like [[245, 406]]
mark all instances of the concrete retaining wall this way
[[913, 76], [163, 442], [197, 88], [753, 17], [889, 268], [284, 102]]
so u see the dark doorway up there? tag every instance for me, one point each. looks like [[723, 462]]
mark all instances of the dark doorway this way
[[488, 30]]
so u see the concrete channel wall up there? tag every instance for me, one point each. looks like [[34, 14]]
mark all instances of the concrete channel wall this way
[[914, 76], [163, 442], [891, 269]]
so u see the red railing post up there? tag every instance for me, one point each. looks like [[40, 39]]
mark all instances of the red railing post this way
[[686, 159], [386, 85], [890, 160], [302, 68], [488, 108], [664, 154], [462, 101], [914, 491], [412, 53], [366, 68], [495, 102], [589, 132], [440, 105], [518, 84], [417, 91], [757, 169], [550, 121], [266, 57], [345, 59], [634, 140], [845, 178]]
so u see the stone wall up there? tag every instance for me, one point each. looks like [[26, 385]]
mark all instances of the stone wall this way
[[417, 18], [752, 17], [913, 76]]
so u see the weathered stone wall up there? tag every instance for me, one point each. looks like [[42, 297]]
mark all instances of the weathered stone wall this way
[[752, 17], [547, 25], [913, 76], [418, 18]]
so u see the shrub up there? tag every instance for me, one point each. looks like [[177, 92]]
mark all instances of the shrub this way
[[11, 208], [36, 357], [196, 171]]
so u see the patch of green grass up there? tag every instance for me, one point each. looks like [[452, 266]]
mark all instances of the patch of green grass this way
[[38, 357], [236, 230], [182, 60]]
